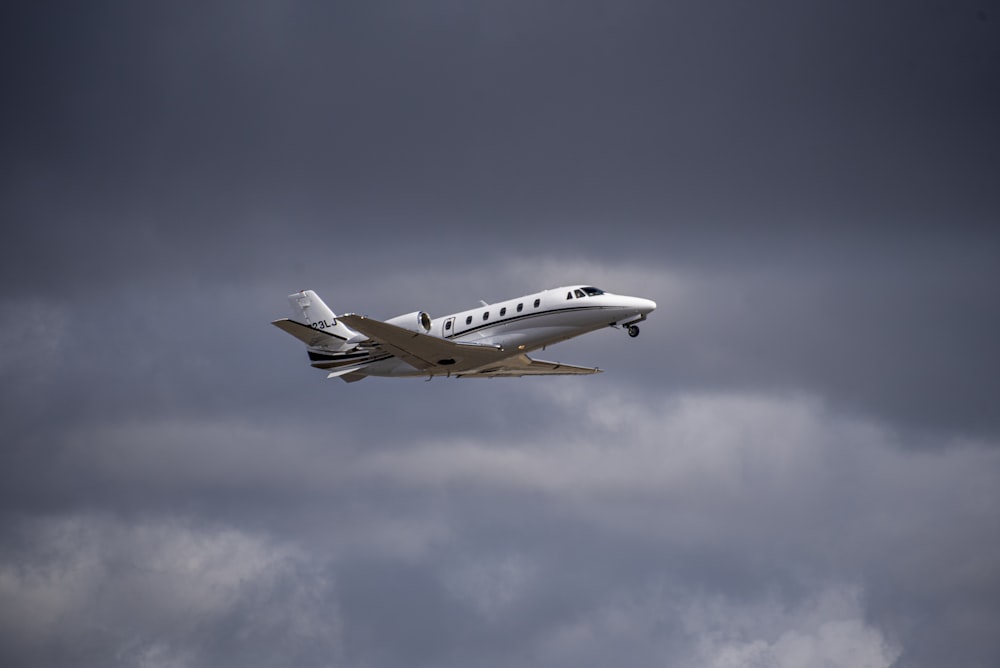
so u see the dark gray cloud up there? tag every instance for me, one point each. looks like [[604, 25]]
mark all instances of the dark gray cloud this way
[[795, 463]]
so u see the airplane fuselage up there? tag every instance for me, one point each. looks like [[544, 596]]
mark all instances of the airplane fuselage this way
[[529, 323], [488, 341]]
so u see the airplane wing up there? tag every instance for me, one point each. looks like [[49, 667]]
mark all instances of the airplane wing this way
[[522, 365], [422, 351], [468, 360]]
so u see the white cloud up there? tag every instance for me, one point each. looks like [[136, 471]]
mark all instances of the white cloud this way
[[704, 448], [144, 586], [668, 626], [624, 444], [742, 482], [826, 630]]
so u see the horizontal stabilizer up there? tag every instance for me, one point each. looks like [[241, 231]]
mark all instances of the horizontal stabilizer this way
[[308, 335]]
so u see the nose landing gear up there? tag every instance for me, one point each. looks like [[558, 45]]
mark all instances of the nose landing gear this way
[[631, 326]]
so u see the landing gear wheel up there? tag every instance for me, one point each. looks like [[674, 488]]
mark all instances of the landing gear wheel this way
[[633, 331]]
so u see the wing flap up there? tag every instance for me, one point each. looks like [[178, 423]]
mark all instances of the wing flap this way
[[344, 371], [522, 365]]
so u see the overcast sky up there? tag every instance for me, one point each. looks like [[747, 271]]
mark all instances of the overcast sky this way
[[796, 464]]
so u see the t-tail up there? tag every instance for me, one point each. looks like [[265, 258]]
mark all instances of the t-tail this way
[[316, 325]]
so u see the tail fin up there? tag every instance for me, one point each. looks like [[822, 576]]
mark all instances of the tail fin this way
[[307, 307], [315, 324]]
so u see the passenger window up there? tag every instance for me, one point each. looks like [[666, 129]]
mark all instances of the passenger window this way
[[538, 302], [578, 293], [520, 307], [503, 311], [486, 315], [468, 321], [447, 326]]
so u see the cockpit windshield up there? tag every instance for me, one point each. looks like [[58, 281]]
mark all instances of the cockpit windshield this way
[[592, 291]]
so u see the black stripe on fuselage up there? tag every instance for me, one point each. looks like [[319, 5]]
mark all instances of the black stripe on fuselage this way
[[520, 316]]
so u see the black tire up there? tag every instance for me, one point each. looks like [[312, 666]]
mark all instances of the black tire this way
[[633, 331]]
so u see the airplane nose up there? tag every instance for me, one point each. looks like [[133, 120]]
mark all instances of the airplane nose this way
[[647, 305]]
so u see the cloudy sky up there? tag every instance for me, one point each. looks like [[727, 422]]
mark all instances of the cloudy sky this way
[[797, 463]]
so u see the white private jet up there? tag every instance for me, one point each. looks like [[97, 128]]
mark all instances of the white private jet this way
[[488, 341]]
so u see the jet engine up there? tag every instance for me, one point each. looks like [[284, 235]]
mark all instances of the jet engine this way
[[418, 321]]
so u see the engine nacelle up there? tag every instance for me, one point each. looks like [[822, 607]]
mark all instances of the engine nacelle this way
[[418, 321]]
